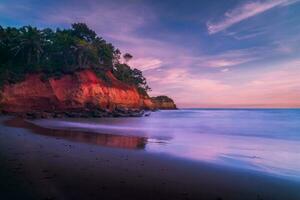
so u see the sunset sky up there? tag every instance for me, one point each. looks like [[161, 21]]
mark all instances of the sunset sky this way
[[216, 53]]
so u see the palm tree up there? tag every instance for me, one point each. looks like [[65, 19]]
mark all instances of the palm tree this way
[[30, 44], [85, 53]]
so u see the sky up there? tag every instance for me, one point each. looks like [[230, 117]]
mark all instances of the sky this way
[[215, 53]]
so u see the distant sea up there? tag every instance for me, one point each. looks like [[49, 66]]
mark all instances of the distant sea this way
[[259, 140]]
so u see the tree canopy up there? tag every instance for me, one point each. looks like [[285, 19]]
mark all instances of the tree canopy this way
[[31, 50]]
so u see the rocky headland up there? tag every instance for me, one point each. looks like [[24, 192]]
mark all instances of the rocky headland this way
[[81, 94], [69, 73]]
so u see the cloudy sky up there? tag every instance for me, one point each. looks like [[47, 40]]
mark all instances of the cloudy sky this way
[[215, 53]]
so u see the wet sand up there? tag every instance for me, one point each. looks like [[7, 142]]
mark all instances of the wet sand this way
[[39, 163]]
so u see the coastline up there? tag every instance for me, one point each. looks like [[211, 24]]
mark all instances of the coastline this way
[[47, 166], [82, 113]]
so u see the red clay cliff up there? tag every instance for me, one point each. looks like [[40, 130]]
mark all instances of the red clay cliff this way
[[79, 92], [71, 92]]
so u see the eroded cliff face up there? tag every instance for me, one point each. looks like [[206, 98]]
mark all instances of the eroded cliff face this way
[[163, 103], [71, 92]]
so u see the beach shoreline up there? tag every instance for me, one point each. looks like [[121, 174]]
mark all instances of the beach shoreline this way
[[52, 165]]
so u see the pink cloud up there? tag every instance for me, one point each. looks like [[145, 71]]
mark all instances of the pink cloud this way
[[226, 59], [184, 86], [146, 63], [279, 87]]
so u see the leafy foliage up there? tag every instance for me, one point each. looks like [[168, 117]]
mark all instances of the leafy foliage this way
[[163, 98], [132, 76], [54, 53]]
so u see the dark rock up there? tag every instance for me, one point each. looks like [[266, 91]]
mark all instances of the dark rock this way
[[164, 103], [147, 114]]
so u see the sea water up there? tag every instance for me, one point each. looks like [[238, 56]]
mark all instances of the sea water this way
[[260, 140]]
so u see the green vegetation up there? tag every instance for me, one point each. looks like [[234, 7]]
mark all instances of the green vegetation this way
[[55, 53], [163, 98]]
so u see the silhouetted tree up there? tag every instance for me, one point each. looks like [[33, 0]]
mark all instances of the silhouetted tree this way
[[127, 57]]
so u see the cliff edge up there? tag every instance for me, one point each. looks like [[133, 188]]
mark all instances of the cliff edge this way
[[80, 91], [81, 94]]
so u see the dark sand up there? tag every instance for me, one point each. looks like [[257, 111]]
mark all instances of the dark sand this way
[[38, 163]]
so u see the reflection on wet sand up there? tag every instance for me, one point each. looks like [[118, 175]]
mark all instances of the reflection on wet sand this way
[[128, 142]]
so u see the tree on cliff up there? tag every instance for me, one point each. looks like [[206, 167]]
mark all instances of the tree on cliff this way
[[30, 46], [132, 76], [54, 53], [82, 31], [127, 57]]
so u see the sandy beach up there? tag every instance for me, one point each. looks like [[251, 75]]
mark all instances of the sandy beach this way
[[37, 163]]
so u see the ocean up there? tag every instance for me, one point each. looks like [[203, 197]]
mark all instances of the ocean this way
[[256, 140]]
